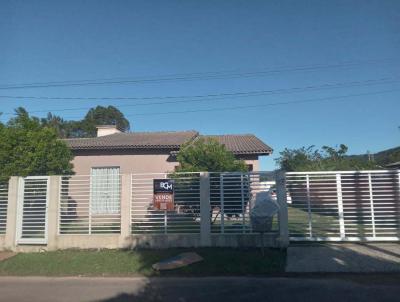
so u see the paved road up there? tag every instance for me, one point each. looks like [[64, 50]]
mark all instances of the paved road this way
[[344, 257], [340, 288]]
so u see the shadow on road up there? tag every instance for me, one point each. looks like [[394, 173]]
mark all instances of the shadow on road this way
[[344, 257]]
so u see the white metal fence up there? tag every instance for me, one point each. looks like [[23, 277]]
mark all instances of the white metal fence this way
[[3, 206], [231, 198], [90, 204], [184, 219], [331, 206], [348, 205], [32, 210]]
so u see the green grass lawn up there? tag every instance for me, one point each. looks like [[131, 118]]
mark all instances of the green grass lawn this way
[[325, 225], [217, 261]]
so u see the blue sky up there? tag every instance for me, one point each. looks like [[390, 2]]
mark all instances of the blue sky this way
[[44, 41]]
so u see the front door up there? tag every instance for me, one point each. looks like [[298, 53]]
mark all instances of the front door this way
[[32, 210]]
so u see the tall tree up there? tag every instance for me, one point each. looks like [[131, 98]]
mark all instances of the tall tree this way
[[29, 148], [102, 116], [87, 126]]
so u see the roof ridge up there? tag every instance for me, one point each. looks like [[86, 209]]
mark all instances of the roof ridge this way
[[166, 131], [244, 134], [74, 138], [196, 133]]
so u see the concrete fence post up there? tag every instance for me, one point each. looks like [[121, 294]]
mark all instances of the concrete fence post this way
[[281, 194], [11, 225], [52, 211], [126, 195], [205, 209]]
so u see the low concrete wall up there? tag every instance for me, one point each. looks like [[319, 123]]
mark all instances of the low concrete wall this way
[[2, 241], [245, 240], [63, 242], [87, 242]]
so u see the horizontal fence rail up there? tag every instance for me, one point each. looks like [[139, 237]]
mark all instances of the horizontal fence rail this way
[[344, 205], [90, 204], [3, 206], [230, 200], [33, 226], [184, 218], [232, 197]]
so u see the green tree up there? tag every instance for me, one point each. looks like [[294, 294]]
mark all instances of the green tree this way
[[102, 116], [63, 128], [208, 155], [87, 126], [327, 159], [29, 148]]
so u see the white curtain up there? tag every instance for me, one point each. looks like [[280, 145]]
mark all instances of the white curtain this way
[[105, 190]]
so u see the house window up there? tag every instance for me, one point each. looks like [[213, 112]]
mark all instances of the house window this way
[[249, 167], [105, 190]]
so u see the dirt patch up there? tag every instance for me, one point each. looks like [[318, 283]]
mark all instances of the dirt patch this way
[[6, 255]]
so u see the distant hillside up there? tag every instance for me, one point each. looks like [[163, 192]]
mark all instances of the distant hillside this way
[[384, 157]]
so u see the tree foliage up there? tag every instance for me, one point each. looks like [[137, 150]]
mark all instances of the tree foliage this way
[[383, 158], [87, 126], [27, 147], [103, 116], [327, 159], [208, 155]]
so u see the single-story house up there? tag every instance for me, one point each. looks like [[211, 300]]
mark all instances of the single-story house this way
[[152, 152]]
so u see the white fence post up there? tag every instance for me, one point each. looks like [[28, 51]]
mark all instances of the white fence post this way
[[371, 199], [221, 197], [243, 207], [205, 209], [281, 195], [340, 205], [309, 206]]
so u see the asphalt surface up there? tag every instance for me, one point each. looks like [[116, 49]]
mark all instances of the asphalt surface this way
[[344, 257], [313, 288]]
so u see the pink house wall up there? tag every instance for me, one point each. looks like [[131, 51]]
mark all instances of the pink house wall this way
[[127, 163], [134, 163]]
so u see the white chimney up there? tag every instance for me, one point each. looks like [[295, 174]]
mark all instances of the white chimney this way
[[103, 130]]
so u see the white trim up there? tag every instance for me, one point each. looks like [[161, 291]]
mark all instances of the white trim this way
[[340, 205], [343, 172]]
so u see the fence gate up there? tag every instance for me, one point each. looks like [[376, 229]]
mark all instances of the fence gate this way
[[344, 205], [32, 210]]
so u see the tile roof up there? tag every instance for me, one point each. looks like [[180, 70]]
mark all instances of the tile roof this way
[[238, 144], [242, 143], [135, 140]]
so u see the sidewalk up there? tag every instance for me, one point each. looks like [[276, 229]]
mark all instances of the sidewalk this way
[[343, 257]]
